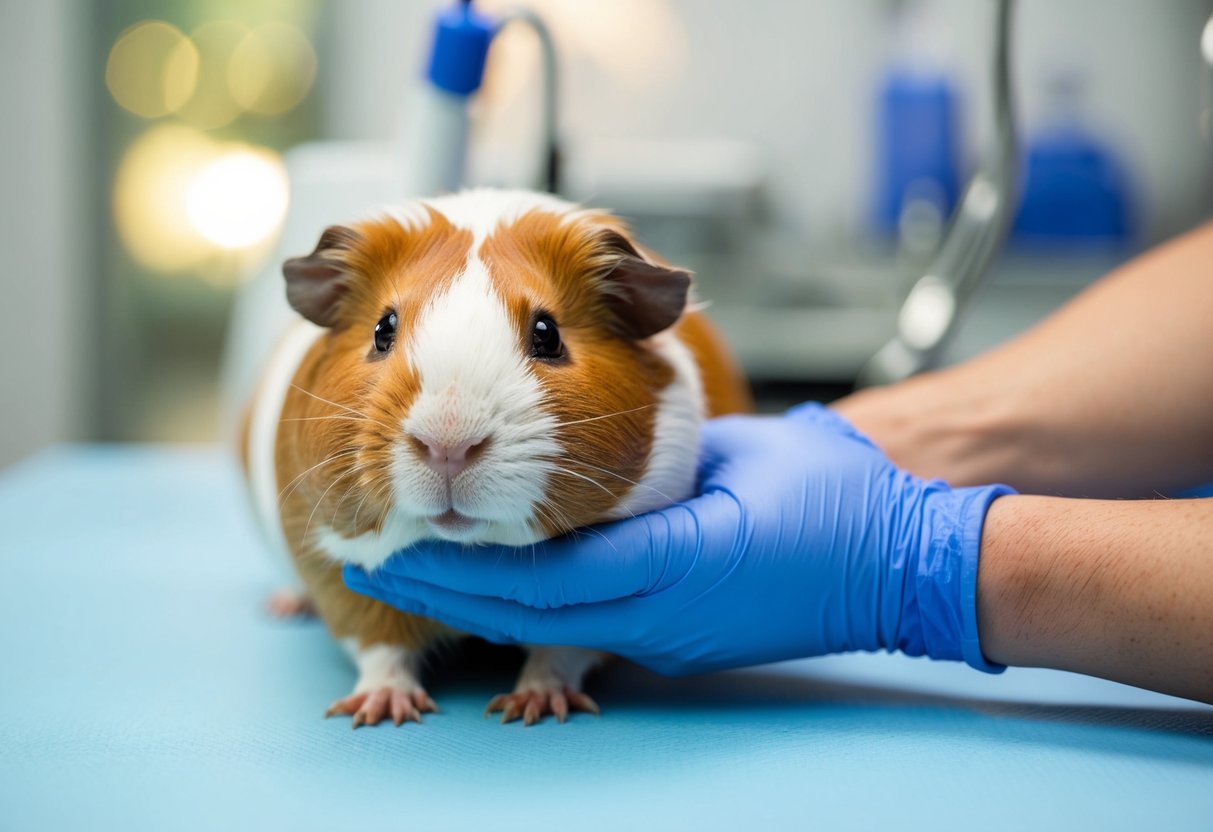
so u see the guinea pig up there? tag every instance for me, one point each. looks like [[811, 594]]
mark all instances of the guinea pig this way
[[486, 367]]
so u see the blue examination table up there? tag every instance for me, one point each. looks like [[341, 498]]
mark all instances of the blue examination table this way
[[143, 687]]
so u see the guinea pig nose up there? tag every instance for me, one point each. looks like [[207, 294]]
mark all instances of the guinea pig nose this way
[[446, 458]]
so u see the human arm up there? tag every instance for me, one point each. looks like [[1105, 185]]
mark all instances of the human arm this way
[[1110, 396], [1117, 589]]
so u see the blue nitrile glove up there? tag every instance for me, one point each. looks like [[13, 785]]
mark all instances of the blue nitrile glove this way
[[805, 540]]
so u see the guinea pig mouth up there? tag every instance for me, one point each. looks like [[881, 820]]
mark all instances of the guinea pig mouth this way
[[451, 522]]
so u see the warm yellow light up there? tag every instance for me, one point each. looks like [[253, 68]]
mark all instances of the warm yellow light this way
[[152, 69], [239, 199], [149, 203], [212, 106], [180, 199], [271, 69]]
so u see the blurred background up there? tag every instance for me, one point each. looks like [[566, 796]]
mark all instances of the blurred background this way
[[801, 157]]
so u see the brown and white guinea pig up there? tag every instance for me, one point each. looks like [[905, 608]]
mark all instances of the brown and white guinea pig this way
[[487, 367]]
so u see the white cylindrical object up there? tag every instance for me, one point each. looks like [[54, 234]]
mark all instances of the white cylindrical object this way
[[435, 136]]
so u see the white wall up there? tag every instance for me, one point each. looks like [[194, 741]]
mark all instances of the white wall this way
[[44, 339]]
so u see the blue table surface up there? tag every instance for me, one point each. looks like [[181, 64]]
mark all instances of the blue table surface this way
[[143, 688]]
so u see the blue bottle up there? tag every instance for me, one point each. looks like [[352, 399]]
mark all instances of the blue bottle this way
[[1076, 191], [918, 144]]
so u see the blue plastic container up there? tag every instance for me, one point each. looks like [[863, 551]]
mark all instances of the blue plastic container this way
[[1075, 191], [918, 145]]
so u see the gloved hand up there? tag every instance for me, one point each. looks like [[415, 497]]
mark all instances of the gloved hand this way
[[805, 539]]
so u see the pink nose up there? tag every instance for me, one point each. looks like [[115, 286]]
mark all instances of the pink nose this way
[[449, 460]]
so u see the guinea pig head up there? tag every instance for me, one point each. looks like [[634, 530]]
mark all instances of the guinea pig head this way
[[490, 380]]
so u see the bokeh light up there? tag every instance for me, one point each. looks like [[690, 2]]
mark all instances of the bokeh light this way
[[239, 199], [180, 198], [212, 104], [271, 69], [152, 69], [149, 204]]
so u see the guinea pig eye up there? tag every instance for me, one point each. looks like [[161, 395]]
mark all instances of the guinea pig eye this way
[[385, 332], [545, 339]]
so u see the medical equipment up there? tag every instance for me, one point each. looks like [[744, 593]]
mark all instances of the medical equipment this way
[[436, 120], [933, 306]]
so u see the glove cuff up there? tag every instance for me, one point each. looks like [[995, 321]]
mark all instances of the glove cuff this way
[[943, 587]]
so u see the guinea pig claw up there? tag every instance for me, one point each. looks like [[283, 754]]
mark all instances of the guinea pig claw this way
[[371, 708], [560, 706], [513, 710], [423, 702], [404, 708], [495, 704], [289, 603], [533, 705], [581, 702]]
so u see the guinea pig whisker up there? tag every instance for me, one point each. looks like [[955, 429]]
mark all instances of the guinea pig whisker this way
[[584, 477], [387, 507], [340, 406], [383, 493], [606, 415], [333, 418], [358, 508], [577, 532], [344, 497], [298, 480], [656, 491], [372, 490], [548, 510], [554, 516], [318, 502]]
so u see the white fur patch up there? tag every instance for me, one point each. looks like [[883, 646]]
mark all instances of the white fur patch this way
[[670, 473], [479, 210], [263, 435], [370, 549], [555, 668], [387, 666]]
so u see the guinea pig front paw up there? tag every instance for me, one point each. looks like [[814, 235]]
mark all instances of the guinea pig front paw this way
[[533, 705], [373, 706], [387, 686], [290, 603]]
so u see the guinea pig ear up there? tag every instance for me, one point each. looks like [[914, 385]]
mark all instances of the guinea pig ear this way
[[315, 283], [645, 297]]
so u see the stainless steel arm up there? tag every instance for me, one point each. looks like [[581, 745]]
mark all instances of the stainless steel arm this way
[[547, 50], [974, 235]]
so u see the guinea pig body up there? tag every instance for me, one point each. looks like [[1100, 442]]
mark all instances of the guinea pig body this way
[[488, 367]]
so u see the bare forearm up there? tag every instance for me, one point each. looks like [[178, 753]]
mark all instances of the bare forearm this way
[[1121, 590], [1111, 396]]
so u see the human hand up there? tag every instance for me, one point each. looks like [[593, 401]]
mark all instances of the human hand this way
[[804, 540]]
